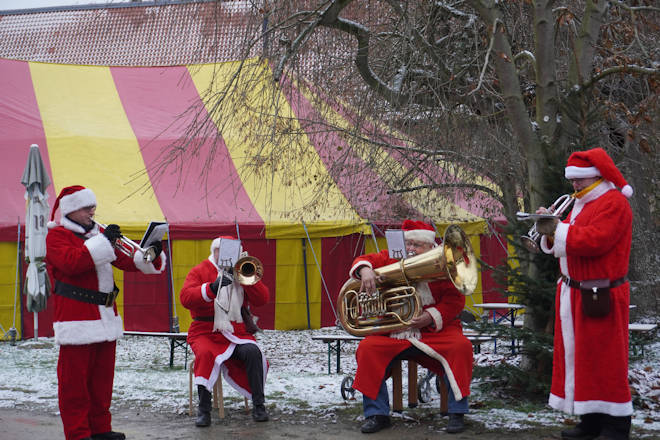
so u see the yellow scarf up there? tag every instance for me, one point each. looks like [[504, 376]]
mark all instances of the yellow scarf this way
[[584, 191]]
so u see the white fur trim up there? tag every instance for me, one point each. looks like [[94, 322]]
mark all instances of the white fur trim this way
[[220, 368], [149, 268], [108, 328], [100, 249], [568, 338], [206, 290], [408, 333], [544, 245], [51, 224], [437, 318], [424, 292], [561, 234], [352, 273], [75, 227], [77, 200], [627, 191], [573, 172], [600, 406], [445, 365], [420, 235]]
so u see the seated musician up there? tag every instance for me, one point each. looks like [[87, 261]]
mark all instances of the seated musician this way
[[220, 339], [434, 339]]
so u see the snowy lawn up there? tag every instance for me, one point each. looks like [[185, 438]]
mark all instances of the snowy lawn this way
[[298, 381]]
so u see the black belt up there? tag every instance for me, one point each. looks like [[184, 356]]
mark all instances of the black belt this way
[[86, 295], [576, 284], [203, 318]]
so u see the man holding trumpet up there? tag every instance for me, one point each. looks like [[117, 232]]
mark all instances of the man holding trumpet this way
[[79, 257], [590, 366], [220, 335]]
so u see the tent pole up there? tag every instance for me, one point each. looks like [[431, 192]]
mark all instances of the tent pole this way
[[12, 330], [304, 251], [373, 237], [318, 267], [174, 324]]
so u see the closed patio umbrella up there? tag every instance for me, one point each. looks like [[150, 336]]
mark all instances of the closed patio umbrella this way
[[36, 181]]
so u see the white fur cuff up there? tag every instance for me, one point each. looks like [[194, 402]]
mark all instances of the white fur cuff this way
[[352, 273], [437, 318], [101, 250], [561, 234], [149, 268]]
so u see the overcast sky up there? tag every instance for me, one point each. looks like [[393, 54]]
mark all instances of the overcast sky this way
[[30, 4]]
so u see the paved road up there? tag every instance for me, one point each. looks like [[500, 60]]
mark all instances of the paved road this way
[[23, 425]]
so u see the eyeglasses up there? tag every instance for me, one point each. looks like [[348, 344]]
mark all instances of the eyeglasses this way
[[417, 244]]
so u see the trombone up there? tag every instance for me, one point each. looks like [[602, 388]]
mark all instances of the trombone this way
[[533, 238], [128, 247]]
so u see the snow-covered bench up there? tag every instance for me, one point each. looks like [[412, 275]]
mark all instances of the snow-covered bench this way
[[640, 335], [176, 340]]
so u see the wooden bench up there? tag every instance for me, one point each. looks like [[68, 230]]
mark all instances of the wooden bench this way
[[176, 340], [640, 334]]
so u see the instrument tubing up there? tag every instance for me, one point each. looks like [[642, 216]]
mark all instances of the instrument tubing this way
[[576, 284], [86, 295], [203, 318]]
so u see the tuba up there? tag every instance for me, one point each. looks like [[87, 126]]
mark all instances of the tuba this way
[[396, 302]]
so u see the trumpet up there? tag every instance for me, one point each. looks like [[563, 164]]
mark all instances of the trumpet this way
[[532, 240], [249, 270], [128, 247]]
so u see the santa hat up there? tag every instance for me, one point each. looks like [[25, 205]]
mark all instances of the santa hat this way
[[72, 198], [419, 231], [594, 163]]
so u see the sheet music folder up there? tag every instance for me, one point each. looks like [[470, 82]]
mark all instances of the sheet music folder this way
[[155, 232]]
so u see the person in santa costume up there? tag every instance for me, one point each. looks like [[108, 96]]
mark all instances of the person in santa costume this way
[[220, 337], [79, 258], [590, 365], [434, 339]]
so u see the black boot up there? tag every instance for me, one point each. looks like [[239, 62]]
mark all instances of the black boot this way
[[375, 423], [455, 424], [615, 428], [110, 435], [588, 428], [259, 413], [204, 409]]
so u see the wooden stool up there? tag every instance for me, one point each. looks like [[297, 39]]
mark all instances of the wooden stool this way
[[218, 397], [397, 388]]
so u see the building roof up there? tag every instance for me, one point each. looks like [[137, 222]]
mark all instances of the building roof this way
[[159, 33]]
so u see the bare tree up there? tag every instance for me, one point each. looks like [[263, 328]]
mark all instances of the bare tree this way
[[479, 98]]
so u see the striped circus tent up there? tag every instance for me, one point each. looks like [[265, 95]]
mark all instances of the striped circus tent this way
[[105, 127]]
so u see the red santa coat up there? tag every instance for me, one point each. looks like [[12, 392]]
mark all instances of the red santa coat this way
[[590, 365], [88, 263], [213, 350], [447, 349]]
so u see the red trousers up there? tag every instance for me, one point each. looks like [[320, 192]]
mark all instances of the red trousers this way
[[85, 374]]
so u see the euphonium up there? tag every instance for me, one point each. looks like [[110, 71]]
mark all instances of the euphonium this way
[[396, 303], [249, 270]]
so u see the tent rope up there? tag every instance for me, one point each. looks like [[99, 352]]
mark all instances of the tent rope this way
[[373, 235], [318, 267]]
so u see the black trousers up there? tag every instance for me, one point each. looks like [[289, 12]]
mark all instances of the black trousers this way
[[252, 358]]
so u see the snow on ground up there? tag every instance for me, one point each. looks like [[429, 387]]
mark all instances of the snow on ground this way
[[298, 379]]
